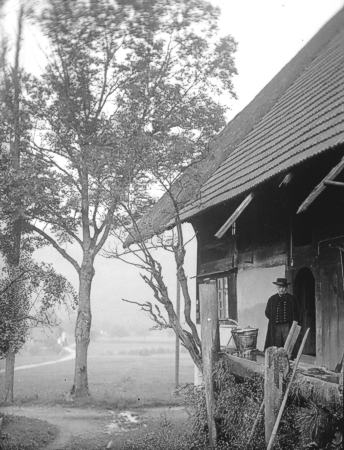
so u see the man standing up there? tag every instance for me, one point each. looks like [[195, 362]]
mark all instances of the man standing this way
[[281, 310]]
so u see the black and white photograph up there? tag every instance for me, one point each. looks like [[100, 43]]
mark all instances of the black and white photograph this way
[[171, 224]]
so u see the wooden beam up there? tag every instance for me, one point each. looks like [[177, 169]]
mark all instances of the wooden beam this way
[[210, 351], [334, 183], [321, 392], [243, 368], [230, 221], [321, 186]]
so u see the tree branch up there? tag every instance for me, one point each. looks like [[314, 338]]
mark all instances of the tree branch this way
[[157, 317], [17, 278], [106, 226], [54, 163], [37, 320], [56, 246], [58, 224]]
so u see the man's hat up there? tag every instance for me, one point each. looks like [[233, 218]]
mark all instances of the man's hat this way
[[281, 282]]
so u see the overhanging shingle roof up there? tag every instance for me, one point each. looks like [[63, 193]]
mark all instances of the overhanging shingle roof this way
[[299, 114], [306, 120]]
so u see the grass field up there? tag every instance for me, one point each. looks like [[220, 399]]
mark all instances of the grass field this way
[[121, 374]]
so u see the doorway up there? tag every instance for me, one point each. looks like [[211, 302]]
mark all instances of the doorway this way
[[304, 290]]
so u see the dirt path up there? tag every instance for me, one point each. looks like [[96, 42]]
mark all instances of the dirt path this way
[[93, 428], [70, 355]]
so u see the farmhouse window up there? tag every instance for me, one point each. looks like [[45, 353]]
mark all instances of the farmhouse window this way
[[226, 297], [222, 297]]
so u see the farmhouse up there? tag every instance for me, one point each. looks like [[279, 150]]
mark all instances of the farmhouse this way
[[269, 200]]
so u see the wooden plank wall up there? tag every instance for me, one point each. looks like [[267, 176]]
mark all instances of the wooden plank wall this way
[[324, 262], [330, 303]]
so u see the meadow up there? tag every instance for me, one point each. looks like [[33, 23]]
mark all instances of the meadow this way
[[122, 373]]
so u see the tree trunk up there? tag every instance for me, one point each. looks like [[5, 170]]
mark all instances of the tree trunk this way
[[82, 329], [14, 257], [187, 339], [9, 376]]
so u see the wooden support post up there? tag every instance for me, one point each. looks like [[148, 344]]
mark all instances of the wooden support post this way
[[288, 347], [210, 350], [276, 370]]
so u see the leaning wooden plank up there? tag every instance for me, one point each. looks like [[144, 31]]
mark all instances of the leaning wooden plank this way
[[291, 332], [256, 422], [284, 402], [321, 186], [292, 338], [229, 222]]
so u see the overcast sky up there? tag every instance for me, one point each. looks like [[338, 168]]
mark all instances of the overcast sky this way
[[269, 33]]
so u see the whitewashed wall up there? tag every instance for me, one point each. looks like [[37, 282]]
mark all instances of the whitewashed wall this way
[[254, 287]]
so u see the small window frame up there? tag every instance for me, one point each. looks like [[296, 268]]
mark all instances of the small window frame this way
[[226, 296]]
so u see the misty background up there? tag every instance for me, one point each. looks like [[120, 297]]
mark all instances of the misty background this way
[[269, 33]]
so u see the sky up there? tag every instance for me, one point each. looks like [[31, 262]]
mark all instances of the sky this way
[[269, 33]]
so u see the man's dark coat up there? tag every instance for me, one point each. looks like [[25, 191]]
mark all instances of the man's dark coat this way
[[271, 311]]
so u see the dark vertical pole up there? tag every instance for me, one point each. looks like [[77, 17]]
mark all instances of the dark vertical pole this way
[[210, 351], [177, 338]]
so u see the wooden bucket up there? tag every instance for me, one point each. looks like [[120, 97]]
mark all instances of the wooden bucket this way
[[245, 338]]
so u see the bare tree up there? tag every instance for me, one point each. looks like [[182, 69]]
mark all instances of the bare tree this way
[[162, 310]]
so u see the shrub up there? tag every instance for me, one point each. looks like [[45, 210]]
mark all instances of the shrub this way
[[320, 427], [23, 433], [237, 405], [165, 437]]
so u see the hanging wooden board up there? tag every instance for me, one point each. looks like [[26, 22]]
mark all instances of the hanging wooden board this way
[[321, 186]]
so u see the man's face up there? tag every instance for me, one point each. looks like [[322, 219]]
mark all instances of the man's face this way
[[281, 290]]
